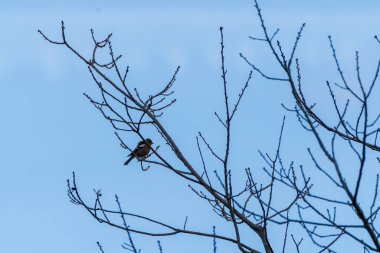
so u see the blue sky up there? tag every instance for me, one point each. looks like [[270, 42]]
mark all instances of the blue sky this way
[[48, 129]]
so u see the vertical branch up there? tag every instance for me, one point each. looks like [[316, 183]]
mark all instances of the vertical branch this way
[[365, 126], [100, 247], [131, 245], [228, 122], [214, 239], [159, 247]]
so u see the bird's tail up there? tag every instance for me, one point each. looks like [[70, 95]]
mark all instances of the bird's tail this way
[[129, 159]]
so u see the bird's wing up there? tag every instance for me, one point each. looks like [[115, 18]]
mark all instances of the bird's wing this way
[[140, 145]]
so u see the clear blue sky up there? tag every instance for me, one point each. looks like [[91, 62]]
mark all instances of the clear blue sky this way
[[48, 129]]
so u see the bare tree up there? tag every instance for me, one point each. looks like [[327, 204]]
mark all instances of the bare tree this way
[[252, 206], [358, 132]]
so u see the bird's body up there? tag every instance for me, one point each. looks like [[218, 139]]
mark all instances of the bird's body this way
[[142, 150]]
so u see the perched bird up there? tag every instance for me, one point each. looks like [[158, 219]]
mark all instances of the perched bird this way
[[142, 149]]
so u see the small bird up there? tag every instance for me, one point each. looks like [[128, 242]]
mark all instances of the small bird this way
[[142, 149]]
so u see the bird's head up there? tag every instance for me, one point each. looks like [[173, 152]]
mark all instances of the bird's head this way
[[149, 141]]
